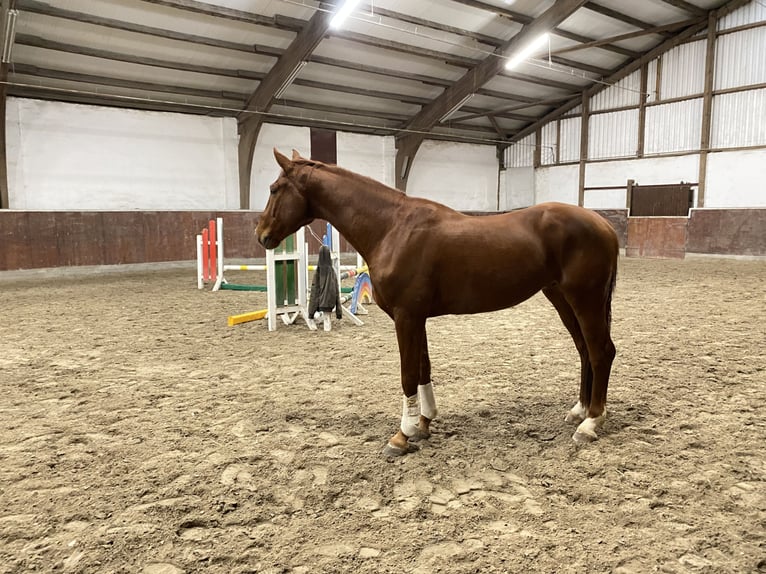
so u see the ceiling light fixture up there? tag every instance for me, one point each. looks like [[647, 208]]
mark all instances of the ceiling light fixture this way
[[343, 13], [10, 36], [289, 80], [527, 51]]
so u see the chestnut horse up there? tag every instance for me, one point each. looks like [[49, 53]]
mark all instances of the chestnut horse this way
[[426, 260]]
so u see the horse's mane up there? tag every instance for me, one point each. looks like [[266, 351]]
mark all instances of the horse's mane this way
[[337, 170]]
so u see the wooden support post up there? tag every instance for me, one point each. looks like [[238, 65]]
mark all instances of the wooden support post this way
[[707, 109], [537, 155], [583, 146], [642, 110]]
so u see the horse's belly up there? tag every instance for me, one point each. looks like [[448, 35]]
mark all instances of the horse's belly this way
[[481, 295]]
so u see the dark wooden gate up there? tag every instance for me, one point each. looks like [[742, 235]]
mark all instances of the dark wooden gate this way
[[671, 200]]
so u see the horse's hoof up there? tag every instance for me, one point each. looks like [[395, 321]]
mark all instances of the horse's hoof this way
[[420, 435], [584, 437], [573, 418], [390, 451]]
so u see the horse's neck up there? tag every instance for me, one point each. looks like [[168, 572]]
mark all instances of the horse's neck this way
[[362, 210]]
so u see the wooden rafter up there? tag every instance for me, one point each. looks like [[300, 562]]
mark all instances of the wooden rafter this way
[[616, 15], [524, 19], [274, 81], [629, 68], [687, 7], [477, 76], [628, 36]]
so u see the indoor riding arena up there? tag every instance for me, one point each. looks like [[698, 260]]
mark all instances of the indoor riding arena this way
[[492, 196]]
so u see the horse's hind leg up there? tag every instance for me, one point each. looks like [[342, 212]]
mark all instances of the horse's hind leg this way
[[594, 323], [578, 413]]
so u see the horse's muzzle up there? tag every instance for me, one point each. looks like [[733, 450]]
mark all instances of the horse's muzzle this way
[[267, 241]]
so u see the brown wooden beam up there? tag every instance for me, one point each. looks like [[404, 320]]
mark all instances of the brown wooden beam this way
[[616, 15], [234, 98], [628, 36], [584, 132], [524, 19], [36, 7], [45, 9], [619, 74], [687, 7], [707, 110], [282, 73], [477, 76], [5, 6]]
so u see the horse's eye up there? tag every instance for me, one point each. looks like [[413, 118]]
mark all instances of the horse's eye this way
[[273, 190]]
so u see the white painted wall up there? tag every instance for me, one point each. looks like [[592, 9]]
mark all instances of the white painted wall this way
[[265, 167], [735, 179], [645, 171], [79, 157], [373, 156], [462, 176], [558, 183], [517, 185]]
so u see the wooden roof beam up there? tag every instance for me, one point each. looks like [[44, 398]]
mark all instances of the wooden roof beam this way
[[274, 82], [524, 19], [477, 76], [631, 67], [616, 15]]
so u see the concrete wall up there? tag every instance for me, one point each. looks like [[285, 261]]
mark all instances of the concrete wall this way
[[462, 176], [736, 179], [63, 156]]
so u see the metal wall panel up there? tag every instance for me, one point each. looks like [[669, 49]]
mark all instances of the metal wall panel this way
[[575, 111], [549, 150], [613, 134], [750, 13], [740, 59], [522, 153], [683, 71], [651, 81], [569, 146], [673, 127], [738, 119], [624, 93]]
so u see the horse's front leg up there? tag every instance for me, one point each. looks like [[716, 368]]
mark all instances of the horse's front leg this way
[[411, 336], [425, 395]]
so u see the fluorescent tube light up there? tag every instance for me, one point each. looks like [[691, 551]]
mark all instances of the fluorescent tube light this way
[[343, 13], [289, 80], [456, 107], [10, 36], [527, 51]]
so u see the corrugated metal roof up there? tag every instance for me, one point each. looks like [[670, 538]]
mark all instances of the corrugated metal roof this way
[[187, 51]]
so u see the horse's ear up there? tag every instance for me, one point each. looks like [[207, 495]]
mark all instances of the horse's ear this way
[[296, 155], [283, 161]]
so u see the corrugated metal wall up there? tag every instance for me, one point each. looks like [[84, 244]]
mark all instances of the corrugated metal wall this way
[[738, 119], [624, 93], [673, 127], [521, 154], [740, 59], [748, 14], [683, 71], [549, 150], [613, 134], [569, 146]]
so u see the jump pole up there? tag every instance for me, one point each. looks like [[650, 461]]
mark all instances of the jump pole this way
[[211, 264]]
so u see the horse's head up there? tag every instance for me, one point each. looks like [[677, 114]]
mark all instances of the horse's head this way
[[287, 209]]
